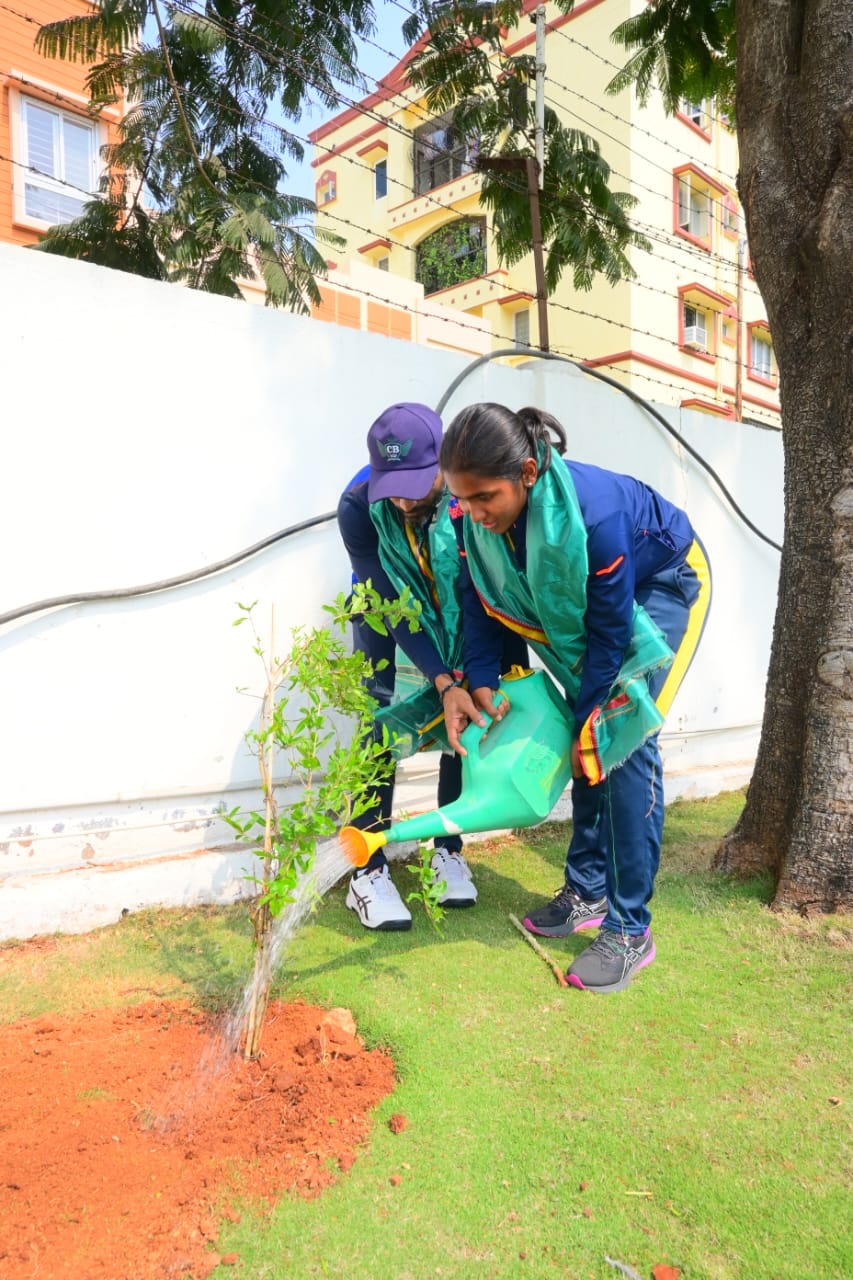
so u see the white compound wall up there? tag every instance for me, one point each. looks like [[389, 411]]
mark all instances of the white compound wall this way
[[147, 431]]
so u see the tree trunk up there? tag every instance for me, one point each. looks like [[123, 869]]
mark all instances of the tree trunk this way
[[795, 135], [259, 991]]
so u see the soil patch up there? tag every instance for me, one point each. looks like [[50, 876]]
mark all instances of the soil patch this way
[[126, 1136]]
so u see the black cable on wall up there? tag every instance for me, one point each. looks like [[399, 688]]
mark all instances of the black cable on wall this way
[[166, 584]]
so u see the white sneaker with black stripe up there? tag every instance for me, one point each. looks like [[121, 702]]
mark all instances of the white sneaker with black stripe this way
[[453, 870], [374, 897]]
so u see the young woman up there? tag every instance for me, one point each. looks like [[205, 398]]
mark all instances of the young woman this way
[[609, 584], [394, 524]]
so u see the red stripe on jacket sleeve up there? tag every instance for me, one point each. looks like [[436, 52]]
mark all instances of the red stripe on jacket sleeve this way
[[599, 573]]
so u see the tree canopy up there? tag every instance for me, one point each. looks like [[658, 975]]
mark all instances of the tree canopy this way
[[197, 184], [464, 68], [196, 188], [683, 48]]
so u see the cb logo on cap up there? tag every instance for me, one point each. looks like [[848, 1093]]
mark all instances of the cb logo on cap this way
[[393, 450]]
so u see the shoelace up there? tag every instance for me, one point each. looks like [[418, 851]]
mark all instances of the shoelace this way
[[610, 943], [456, 864], [381, 883], [565, 897]]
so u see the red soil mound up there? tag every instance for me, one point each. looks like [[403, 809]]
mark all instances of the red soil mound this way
[[125, 1135]]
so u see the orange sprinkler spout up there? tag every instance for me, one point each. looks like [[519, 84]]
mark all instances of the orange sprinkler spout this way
[[358, 846]]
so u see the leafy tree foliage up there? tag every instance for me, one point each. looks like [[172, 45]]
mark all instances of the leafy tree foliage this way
[[464, 68], [684, 48], [451, 254], [196, 188]]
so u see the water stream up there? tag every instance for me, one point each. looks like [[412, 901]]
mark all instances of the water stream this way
[[330, 865]]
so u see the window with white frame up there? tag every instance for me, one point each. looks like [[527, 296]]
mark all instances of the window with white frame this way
[[694, 206], [730, 215], [380, 179], [521, 329], [695, 330], [60, 152], [761, 356], [698, 113], [327, 188]]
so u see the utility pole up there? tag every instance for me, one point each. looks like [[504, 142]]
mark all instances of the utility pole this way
[[534, 182], [530, 166], [539, 19], [534, 169]]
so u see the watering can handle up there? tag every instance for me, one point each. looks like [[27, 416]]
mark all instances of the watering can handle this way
[[474, 733]]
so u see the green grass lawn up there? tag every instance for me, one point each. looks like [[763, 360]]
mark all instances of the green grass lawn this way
[[701, 1118]]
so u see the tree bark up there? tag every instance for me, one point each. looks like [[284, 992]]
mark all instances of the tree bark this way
[[795, 137]]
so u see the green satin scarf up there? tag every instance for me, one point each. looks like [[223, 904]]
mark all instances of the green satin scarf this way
[[431, 572], [547, 604]]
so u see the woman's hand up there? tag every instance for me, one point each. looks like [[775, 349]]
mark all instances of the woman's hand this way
[[459, 710], [461, 707]]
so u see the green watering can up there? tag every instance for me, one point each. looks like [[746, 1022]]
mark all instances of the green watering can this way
[[515, 770]]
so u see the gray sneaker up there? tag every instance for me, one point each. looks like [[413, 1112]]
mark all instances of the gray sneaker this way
[[609, 963], [566, 913]]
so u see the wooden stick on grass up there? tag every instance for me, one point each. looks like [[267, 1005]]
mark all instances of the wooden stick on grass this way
[[540, 951]]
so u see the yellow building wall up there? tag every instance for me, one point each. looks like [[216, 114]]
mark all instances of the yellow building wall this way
[[633, 331]]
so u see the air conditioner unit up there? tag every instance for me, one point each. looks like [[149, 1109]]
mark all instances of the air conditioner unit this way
[[695, 337]]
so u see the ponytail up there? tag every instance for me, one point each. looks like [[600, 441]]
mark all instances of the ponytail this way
[[543, 429], [491, 440]]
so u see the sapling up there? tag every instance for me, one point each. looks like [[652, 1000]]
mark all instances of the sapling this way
[[429, 891], [315, 735]]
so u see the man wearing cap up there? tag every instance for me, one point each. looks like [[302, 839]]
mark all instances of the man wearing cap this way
[[397, 531]]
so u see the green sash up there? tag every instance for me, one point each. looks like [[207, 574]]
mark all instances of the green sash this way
[[407, 566], [547, 604]]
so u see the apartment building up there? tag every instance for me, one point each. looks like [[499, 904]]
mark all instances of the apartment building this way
[[689, 330], [50, 144]]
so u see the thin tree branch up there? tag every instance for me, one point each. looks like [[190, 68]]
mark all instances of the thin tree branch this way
[[173, 82], [135, 199]]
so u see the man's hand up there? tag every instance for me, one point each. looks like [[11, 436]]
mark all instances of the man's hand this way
[[577, 768], [461, 707]]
